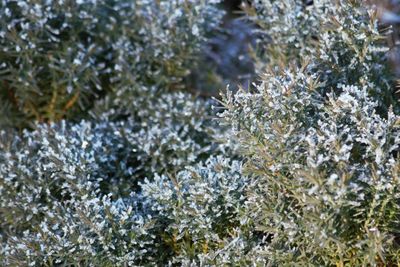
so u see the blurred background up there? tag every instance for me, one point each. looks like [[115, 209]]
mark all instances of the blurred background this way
[[228, 54]]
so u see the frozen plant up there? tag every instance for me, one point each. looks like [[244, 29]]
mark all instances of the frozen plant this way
[[342, 41], [326, 171], [321, 137], [307, 174], [175, 219], [57, 56], [178, 132]]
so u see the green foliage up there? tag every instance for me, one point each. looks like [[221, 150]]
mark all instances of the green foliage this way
[[54, 209], [58, 56], [321, 140], [342, 41], [327, 171], [303, 170]]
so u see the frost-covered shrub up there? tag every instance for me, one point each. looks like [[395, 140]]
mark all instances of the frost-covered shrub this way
[[325, 161], [178, 133], [342, 41], [57, 56], [69, 175], [176, 219], [326, 171], [290, 27], [200, 207], [315, 180], [174, 131], [320, 140]]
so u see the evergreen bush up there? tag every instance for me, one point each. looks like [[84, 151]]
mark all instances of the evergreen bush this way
[[303, 168], [57, 56], [63, 216], [320, 137], [342, 40], [326, 171]]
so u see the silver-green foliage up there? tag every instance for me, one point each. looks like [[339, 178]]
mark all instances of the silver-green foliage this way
[[119, 192], [173, 219], [327, 171], [342, 39], [317, 182], [57, 56], [320, 140], [178, 132]]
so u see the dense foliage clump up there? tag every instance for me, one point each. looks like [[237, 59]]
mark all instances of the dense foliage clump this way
[[302, 168], [342, 41], [57, 56], [321, 138], [65, 216], [326, 169]]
